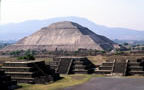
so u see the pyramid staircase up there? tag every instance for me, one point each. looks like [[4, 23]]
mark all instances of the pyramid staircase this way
[[82, 66], [64, 65], [113, 67], [105, 68], [72, 65], [6, 83], [122, 67], [29, 71], [136, 67]]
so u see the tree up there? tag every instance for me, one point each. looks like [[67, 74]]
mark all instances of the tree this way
[[126, 44], [26, 57], [15, 53]]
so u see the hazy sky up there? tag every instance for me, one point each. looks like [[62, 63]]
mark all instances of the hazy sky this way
[[113, 13]]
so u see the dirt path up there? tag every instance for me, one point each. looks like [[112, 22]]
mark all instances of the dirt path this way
[[110, 84]]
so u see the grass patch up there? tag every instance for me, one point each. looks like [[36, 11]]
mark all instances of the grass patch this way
[[97, 60], [69, 80], [47, 60]]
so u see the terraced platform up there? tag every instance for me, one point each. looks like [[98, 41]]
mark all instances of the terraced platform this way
[[6, 83], [72, 65], [30, 71], [121, 67]]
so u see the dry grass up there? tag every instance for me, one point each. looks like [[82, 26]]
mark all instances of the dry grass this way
[[69, 80], [120, 57], [47, 60], [3, 59], [97, 60]]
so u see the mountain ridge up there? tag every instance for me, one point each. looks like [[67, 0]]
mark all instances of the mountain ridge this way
[[19, 30]]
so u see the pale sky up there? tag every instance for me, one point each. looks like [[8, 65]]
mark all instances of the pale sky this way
[[112, 13]]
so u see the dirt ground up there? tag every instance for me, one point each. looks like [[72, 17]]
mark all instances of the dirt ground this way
[[107, 83]]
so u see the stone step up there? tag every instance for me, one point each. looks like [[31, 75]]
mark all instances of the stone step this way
[[136, 72], [79, 66], [82, 67], [135, 60], [5, 78], [105, 68], [80, 62], [64, 66], [19, 73], [23, 80], [17, 69], [134, 63], [107, 64], [136, 68], [22, 75], [103, 71], [54, 66], [7, 84], [2, 72], [80, 71]]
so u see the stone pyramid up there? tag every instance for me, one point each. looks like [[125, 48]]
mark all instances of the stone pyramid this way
[[64, 35]]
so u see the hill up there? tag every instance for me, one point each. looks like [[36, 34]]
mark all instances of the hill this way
[[16, 31]]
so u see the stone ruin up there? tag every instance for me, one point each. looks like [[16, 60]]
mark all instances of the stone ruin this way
[[67, 36], [72, 65], [6, 83], [122, 67], [38, 72], [30, 71]]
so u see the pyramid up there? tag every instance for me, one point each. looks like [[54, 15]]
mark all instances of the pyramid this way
[[64, 35]]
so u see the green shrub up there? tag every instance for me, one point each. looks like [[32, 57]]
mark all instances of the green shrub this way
[[26, 57]]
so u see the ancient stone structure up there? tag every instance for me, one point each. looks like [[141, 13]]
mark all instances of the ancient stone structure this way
[[72, 65], [30, 71], [6, 83], [122, 67], [135, 67], [105, 68], [65, 35]]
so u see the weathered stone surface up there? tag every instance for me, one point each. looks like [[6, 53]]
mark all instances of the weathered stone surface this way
[[63, 35], [35, 71]]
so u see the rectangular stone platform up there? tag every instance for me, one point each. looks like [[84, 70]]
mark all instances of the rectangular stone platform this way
[[71, 65], [29, 71]]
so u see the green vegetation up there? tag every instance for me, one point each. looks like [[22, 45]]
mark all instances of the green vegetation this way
[[15, 53], [26, 57]]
